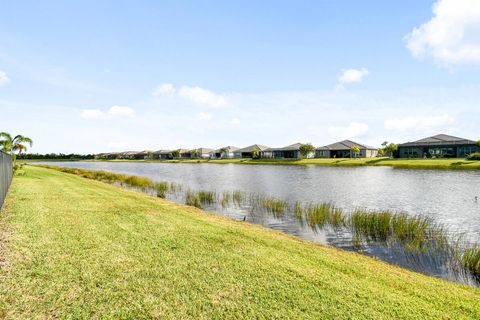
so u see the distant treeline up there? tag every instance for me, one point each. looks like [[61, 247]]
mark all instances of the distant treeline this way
[[55, 156]]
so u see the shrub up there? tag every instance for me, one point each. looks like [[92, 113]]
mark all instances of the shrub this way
[[474, 156]]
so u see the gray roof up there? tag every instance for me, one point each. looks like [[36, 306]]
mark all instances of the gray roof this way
[[295, 146], [252, 147], [439, 139], [229, 148], [203, 150], [346, 145], [162, 151]]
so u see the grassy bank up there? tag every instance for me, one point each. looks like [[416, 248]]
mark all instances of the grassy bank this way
[[78, 248], [461, 164]]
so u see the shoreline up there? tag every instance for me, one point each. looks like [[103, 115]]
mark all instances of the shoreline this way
[[431, 164]]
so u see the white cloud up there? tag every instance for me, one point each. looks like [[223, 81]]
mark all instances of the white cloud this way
[[4, 79], [421, 124], [452, 36], [203, 96], [204, 116], [353, 130], [353, 75], [121, 111], [165, 89], [114, 111], [235, 121]]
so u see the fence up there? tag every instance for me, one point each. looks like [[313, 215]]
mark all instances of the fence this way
[[6, 173]]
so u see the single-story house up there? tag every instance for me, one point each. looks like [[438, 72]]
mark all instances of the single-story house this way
[[184, 153], [107, 155], [162, 154], [247, 151], [142, 155], [439, 146], [342, 149], [223, 153], [201, 153], [289, 152], [127, 155]]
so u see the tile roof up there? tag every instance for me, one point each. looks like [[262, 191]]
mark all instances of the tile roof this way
[[345, 145], [439, 139], [252, 147]]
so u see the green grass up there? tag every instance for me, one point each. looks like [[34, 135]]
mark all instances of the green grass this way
[[77, 248], [462, 164]]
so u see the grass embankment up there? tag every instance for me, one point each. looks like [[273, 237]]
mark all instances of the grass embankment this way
[[462, 164], [79, 248]]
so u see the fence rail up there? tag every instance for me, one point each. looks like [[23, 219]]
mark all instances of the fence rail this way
[[6, 173]]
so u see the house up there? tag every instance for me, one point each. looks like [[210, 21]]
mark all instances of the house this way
[[162, 154], [247, 151], [184, 154], [127, 155], [142, 155], [289, 152], [439, 146], [200, 153], [342, 149], [107, 155], [223, 153]]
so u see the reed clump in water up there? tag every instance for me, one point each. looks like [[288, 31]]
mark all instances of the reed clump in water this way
[[207, 197], [192, 199], [318, 216], [275, 206], [162, 188], [471, 261]]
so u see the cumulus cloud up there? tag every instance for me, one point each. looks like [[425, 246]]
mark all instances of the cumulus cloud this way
[[203, 96], [353, 75], [114, 111], [165, 89], [4, 79], [195, 94], [122, 111], [353, 130], [452, 36], [421, 124]]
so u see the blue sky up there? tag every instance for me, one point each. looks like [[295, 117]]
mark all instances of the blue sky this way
[[93, 76]]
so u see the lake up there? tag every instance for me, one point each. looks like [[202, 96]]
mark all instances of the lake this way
[[449, 197]]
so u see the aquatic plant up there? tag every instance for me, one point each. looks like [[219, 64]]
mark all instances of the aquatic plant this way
[[192, 199], [162, 189], [320, 215], [275, 206], [206, 197], [471, 261]]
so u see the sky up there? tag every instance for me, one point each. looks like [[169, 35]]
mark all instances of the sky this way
[[98, 76]]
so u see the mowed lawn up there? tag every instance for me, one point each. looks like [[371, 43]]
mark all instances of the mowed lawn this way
[[77, 248]]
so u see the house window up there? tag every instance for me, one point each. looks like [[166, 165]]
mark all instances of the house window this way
[[466, 150]]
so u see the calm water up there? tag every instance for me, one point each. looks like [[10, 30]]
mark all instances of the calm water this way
[[449, 197]]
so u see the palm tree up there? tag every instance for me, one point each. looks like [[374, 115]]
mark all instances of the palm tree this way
[[255, 153], [17, 144], [224, 151]]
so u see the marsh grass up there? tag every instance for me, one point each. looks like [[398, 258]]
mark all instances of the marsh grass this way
[[318, 216], [162, 188], [471, 261], [275, 206], [207, 197], [192, 199]]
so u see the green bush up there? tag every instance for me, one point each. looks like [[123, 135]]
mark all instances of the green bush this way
[[474, 156]]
